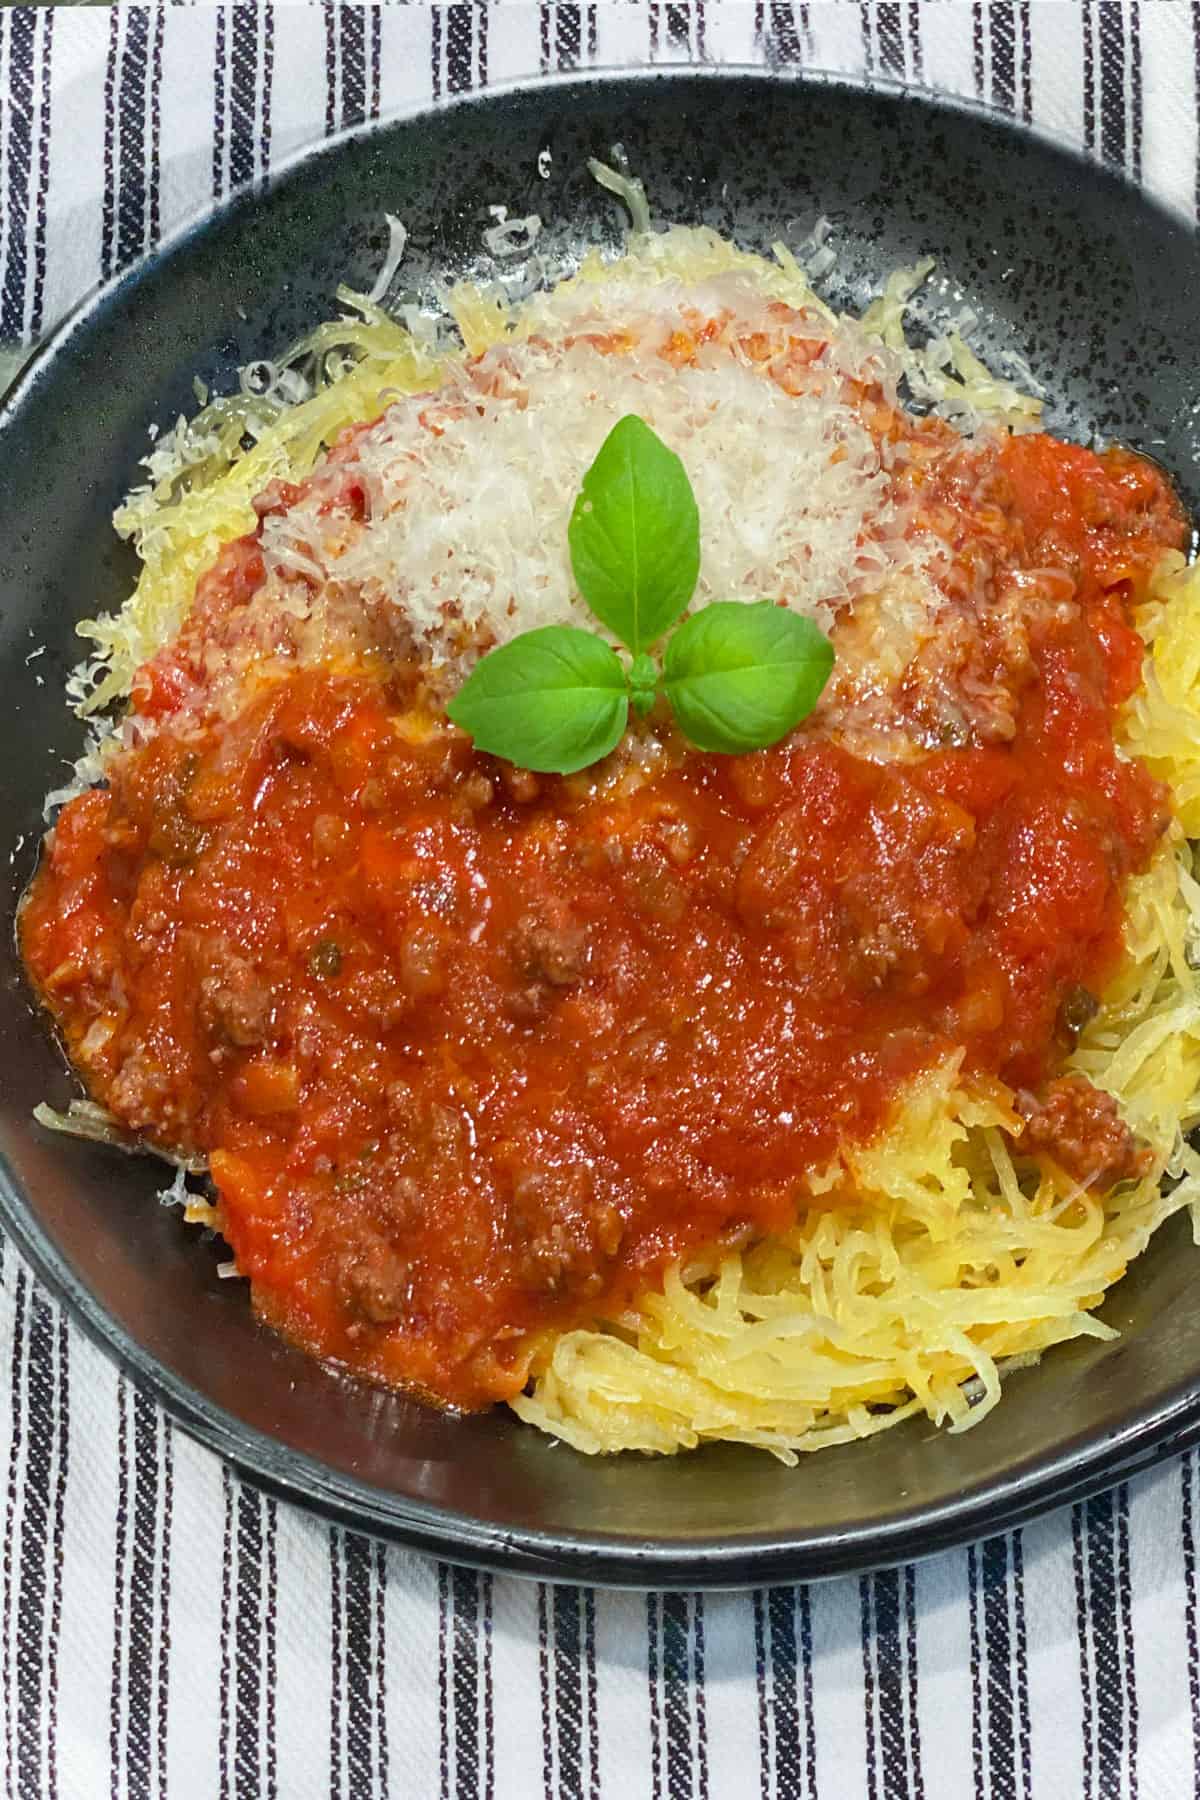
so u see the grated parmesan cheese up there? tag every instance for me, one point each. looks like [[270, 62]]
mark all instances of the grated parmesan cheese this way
[[470, 490]]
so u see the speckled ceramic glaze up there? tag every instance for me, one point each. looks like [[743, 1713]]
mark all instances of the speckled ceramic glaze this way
[[1074, 273]]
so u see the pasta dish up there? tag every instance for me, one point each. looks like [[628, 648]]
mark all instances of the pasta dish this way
[[678, 1093]]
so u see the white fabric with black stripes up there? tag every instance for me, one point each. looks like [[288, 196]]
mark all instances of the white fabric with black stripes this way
[[166, 1630]]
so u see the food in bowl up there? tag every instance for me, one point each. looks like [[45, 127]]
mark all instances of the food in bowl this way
[[663, 1088]]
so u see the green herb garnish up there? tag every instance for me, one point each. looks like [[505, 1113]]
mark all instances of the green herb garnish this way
[[635, 535], [739, 676]]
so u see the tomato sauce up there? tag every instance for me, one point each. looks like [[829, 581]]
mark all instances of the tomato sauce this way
[[473, 1053]]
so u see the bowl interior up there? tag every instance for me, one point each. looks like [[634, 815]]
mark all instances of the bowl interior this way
[[1067, 269]]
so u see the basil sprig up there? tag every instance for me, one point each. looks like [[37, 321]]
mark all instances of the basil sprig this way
[[738, 676]]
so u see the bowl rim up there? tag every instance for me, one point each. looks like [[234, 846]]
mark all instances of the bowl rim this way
[[1078, 1468]]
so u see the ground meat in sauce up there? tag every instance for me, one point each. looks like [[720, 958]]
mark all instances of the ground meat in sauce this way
[[233, 1003], [1079, 1128], [564, 1241], [474, 1053], [554, 953], [371, 1277]]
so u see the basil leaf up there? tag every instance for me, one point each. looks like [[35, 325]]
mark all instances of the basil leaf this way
[[552, 700], [635, 535], [739, 676]]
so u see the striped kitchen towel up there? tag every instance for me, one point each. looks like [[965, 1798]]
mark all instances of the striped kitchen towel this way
[[168, 1630]]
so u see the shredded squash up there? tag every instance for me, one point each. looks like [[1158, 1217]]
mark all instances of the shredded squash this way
[[930, 1259]]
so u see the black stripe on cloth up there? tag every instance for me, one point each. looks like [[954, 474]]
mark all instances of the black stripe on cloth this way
[[910, 1655], [1089, 78], [867, 1634], [489, 1696], [243, 97], [677, 28], [568, 1650], [379, 1591], [141, 1599], [108, 198], [999, 1724], [33, 1556], [1125, 1604], [567, 1670], [466, 1705], [32, 1542], [163, 1626], [1001, 40], [117, 1693], [891, 37], [358, 1576], [784, 1669], [461, 43], [144, 1594], [16, 120], [443, 1661], [1087, 1704], [219, 123], [1112, 85], [1187, 1485], [592, 1711], [1115, 57], [353, 64], [130, 208], [248, 1624], [247, 1760], [544, 1604], [889, 1651], [37, 300], [271, 1629], [435, 51], [57, 1543], [1025, 25], [1108, 1673], [760, 1684], [913, 32], [337, 1677], [26, 37], [154, 215], [567, 36], [678, 1715], [978, 1689], [353, 54], [332, 18], [266, 81], [1135, 89], [225, 1683], [1024, 1728], [242, 78], [653, 1634], [131, 126], [784, 30], [13, 1495]]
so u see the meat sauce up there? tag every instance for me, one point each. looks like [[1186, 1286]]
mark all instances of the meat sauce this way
[[473, 1053]]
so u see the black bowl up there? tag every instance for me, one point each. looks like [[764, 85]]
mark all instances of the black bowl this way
[[1066, 265]]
